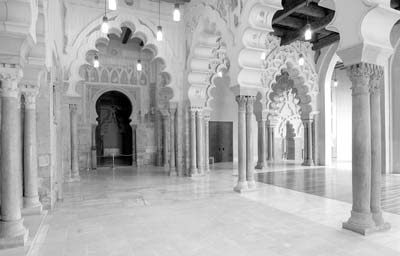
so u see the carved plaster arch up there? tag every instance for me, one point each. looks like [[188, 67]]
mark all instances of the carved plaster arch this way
[[91, 36], [286, 58], [135, 107], [208, 57]]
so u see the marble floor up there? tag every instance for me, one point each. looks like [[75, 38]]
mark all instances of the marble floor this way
[[144, 212]]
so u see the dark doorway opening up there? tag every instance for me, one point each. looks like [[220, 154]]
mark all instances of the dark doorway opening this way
[[113, 132], [221, 141]]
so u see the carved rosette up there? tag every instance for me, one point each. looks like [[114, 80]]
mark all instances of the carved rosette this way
[[10, 75], [360, 76]]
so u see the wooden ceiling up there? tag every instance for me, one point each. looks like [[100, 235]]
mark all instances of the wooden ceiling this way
[[290, 23]]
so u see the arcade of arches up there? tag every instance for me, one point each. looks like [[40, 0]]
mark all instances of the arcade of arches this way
[[233, 123]]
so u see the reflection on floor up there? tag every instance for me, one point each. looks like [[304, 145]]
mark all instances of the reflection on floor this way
[[143, 212], [331, 183]]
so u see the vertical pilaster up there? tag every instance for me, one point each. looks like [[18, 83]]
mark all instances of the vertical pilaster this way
[[193, 153], [249, 142], [134, 146], [242, 182], [94, 148], [12, 231], [376, 161], [207, 142], [262, 147], [31, 196], [166, 127], [200, 142], [74, 142], [172, 167], [361, 218]]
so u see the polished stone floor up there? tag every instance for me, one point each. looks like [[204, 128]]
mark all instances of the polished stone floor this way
[[144, 212]]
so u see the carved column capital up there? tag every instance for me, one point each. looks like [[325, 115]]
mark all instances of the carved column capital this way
[[30, 98], [10, 75], [241, 100], [377, 75], [250, 104], [73, 108], [360, 75]]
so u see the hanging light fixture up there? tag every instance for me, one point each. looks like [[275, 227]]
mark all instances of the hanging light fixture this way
[[301, 60], [112, 5], [159, 28], [104, 25], [177, 13], [308, 32], [139, 66], [96, 63], [335, 81], [263, 56], [220, 74]]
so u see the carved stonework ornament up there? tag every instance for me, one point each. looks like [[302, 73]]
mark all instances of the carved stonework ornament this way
[[376, 79], [73, 108], [241, 100], [30, 99], [10, 76], [360, 75]]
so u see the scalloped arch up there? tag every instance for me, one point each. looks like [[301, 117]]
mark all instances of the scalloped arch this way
[[91, 36]]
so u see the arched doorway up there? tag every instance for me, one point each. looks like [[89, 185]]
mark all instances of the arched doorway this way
[[113, 132]]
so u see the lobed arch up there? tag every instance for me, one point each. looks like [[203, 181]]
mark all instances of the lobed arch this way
[[208, 58], [91, 36], [92, 105]]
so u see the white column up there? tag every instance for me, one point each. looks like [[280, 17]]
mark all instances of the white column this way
[[249, 142], [31, 196], [242, 182], [376, 163], [172, 162], [200, 142], [74, 142], [12, 231], [18, 144], [193, 153], [361, 217], [262, 152], [207, 142], [271, 141], [134, 155]]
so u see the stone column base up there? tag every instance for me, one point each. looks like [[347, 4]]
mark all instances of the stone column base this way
[[308, 163], [13, 234], [172, 171], [361, 223], [251, 184], [244, 186], [261, 166], [28, 211]]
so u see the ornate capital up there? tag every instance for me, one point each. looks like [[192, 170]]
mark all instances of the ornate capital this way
[[241, 100], [360, 75], [30, 98], [250, 104], [376, 79], [73, 108], [10, 75], [172, 112]]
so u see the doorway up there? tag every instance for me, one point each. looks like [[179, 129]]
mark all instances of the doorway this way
[[113, 132], [221, 141]]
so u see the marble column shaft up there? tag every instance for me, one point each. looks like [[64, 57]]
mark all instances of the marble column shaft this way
[[74, 142], [376, 161], [361, 217], [12, 230], [165, 141], [193, 154], [262, 151], [308, 142], [200, 142], [270, 142], [242, 182], [134, 155], [249, 142], [31, 196], [94, 148], [172, 168], [207, 143], [18, 143]]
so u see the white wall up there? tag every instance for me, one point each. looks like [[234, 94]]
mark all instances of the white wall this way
[[342, 102]]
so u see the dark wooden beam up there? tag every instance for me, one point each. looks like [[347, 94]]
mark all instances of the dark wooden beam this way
[[325, 41], [312, 10], [288, 9], [291, 22], [126, 35], [315, 26]]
